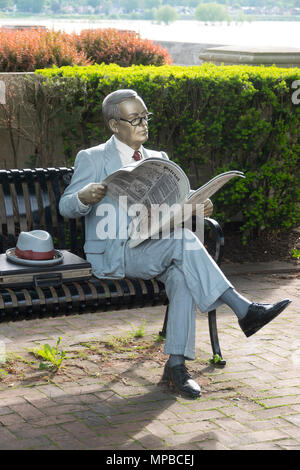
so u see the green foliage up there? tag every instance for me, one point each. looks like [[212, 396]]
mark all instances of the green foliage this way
[[140, 331], [295, 253], [216, 359], [166, 14], [211, 12], [158, 338], [3, 373], [34, 6], [141, 9], [50, 355], [224, 117], [4, 4]]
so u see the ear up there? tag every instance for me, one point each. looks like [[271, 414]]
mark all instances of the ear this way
[[113, 125]]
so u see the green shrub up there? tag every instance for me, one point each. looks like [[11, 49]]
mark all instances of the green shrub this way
[[166, 14], [226, 117], [211, 12]]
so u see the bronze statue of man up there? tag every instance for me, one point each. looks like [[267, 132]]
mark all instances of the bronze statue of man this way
[[191, 276]]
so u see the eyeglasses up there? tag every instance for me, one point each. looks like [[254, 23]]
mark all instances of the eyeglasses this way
[[138, 121]]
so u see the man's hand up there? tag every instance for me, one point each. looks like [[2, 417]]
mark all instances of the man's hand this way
[[208, 208], [92, 193]]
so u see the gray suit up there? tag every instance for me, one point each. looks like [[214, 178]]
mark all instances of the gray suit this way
[[92, 166], [190, 275]]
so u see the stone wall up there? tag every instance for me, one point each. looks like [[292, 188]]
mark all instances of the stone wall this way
[[15, 151], [185, 53], [18, 147]]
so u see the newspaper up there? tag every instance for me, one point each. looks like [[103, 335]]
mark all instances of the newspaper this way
[[154, 193]]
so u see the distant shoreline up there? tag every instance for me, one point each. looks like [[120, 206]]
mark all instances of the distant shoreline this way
[[37, 16], [247, 33]]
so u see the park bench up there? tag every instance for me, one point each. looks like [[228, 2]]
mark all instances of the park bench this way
[[29, 200]]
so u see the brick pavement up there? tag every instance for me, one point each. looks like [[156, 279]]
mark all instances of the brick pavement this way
[[252, 403]]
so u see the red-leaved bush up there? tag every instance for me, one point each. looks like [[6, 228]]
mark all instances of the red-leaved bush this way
[[123, 48], [27, 50]]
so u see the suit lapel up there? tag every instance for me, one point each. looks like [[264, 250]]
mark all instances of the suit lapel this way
[[112, 158]]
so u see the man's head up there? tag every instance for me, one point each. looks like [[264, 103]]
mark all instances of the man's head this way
[[121, 109]]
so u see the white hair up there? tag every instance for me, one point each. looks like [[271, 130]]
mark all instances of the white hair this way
[[110, 109]]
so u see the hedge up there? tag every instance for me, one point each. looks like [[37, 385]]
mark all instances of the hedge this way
[[27, 50], [224, 117], [124, 48]]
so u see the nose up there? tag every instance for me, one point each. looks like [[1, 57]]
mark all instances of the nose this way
[[144, 122]]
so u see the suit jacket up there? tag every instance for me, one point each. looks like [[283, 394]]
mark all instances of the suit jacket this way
[[92, 166]]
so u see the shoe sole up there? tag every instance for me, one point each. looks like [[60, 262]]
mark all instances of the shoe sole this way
[[257, 328]]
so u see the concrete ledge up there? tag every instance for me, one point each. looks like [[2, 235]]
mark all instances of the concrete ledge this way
[[243, 55], [272, 267], [185, 53]]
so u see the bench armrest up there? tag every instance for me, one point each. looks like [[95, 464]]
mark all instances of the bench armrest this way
[[218, 236]]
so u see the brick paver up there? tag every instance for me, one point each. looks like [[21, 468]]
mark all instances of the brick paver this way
[[252, 403]]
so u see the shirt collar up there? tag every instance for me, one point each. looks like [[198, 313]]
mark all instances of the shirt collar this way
[[125, 151]]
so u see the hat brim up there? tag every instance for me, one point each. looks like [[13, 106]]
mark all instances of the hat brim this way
[[11, 256]]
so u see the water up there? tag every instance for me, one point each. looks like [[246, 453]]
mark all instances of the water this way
[[256, 33]]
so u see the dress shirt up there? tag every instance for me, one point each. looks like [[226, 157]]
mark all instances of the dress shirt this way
[[126, 152]]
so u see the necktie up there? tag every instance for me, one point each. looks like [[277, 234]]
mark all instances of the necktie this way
[[137, 156]]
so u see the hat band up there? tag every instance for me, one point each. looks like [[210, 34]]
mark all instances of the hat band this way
[[35, 255]]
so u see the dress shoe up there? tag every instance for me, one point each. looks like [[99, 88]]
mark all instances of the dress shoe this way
[[259, 315], [179, 377]]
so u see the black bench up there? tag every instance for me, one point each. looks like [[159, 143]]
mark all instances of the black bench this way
[[29, 200]]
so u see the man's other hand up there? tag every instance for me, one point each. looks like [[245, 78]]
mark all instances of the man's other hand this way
[[208, 208], [92, 193]]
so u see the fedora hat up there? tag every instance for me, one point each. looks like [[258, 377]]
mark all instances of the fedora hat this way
[[34, 248]]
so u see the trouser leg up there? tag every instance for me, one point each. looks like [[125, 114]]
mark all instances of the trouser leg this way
[[180, 338], [204, 278], [183, 262]]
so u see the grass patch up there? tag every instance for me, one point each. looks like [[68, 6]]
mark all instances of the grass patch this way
[[94, 358]]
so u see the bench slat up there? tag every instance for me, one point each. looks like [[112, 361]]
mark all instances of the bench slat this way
[[9, 211], [30, 177], [42, 178], [21, 207], [56, 194]]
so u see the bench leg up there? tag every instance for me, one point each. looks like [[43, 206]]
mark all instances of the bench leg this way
[[213, 331], [163, 332], [214, 339]]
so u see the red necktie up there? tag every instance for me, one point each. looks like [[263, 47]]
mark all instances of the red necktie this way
[[137, 156]]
